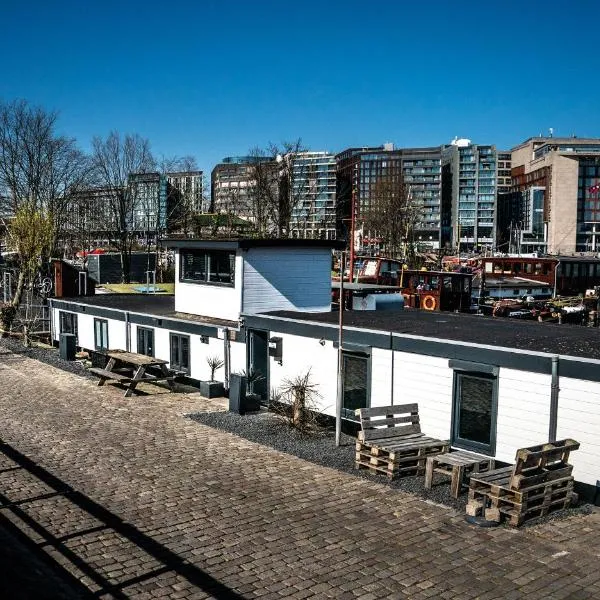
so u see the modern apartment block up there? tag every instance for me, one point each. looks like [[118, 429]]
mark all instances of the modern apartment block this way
[[363, 172], [189, 187], [470, 187], [231, 182], [554, 206], [312, 187], [149, 196]]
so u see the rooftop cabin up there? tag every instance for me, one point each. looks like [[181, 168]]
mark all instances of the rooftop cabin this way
[[224, 278]]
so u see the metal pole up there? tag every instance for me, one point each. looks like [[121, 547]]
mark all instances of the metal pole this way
[[352, 233], [339, 401], [554, 389]]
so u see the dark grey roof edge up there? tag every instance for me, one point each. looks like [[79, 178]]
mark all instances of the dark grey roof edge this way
[[245, 243]]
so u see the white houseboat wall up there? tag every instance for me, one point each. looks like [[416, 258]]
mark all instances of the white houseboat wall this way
[[491, 386]]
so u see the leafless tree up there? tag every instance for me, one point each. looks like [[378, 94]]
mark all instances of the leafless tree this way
[[274, 194], [392, 215], [38, 168], [114, 159]]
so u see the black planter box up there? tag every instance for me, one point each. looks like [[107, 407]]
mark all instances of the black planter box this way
[[239, 401], [212, 389]]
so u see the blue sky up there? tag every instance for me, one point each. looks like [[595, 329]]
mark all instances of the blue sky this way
[[214, 79]]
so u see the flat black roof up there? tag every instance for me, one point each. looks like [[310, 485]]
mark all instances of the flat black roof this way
[[245, 243], [566, 339], [160, 305]]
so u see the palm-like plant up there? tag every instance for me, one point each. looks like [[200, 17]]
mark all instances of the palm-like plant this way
[[214, 363]]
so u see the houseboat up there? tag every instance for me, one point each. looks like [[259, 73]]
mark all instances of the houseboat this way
[[489, 386]]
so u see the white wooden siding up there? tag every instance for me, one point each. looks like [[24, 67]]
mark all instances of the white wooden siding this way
[[287, 279], [579, 418], [85, 331], [220, 302], [381, 377], [426, 380], [523, 411], [299, 355]]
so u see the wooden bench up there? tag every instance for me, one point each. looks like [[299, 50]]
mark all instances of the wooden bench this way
[[105, 375], [391, 442], [540, 482]]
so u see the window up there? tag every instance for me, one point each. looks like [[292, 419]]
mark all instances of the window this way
[[180, 352], [356, 378], [475, 406], [101, 334], [145, 341], [208, 266], [67, 322]]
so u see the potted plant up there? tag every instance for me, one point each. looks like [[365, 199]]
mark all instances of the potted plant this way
[[212, 388]]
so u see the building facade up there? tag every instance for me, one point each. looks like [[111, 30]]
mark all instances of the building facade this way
[[365, 174], [312, 187], [189, 186], [471, 182], [232, 183], [554, 204]]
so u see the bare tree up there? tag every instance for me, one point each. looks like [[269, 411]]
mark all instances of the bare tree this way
[[392, 215], [274, 194], [114, 159]]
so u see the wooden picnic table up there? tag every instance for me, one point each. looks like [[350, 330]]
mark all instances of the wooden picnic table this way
[[139, 363]]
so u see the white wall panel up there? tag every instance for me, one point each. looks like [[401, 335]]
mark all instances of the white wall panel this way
[[426, 380], [579, 418], [287, 279], [301, 354], [381, 377], [523, 411], [220, 302]]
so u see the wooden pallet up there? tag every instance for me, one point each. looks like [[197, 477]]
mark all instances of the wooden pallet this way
[[406, 457], [540, 482]]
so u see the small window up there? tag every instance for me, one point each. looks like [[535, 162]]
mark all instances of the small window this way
[[67, 322], [355, 392], [145, 341], [215, 267], [475, 408], [101, 334], [180, 352]]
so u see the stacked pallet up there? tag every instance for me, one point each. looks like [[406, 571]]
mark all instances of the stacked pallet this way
[[391, 442], [540, 482]]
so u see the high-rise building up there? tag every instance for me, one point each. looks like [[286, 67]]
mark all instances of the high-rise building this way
[[555, 206], [364, 174], [149, 201], [189, 187], [470, 187], [312, 188], [231, 183]]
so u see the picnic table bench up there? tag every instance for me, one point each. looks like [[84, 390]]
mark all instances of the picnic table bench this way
[[391, 442], [539, 482], [135, 370]]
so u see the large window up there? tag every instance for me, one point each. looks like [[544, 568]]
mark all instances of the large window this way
[[208, 266], [180, 352], [101, 334], [355, 383], [68, 322], [475, 407], [145, 341]]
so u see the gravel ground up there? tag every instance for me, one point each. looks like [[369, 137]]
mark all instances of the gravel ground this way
[[269, 430], [47, 355]]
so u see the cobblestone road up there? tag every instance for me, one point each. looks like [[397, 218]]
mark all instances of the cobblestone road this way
[[138, 502]]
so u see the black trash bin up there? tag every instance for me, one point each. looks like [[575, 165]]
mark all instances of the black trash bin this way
[[67, 346]]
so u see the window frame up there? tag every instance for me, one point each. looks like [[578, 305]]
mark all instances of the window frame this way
[[144, 331], [72, 317], [480, 371], [177, 365], [208, 257], [102, 323], [363, 354]]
